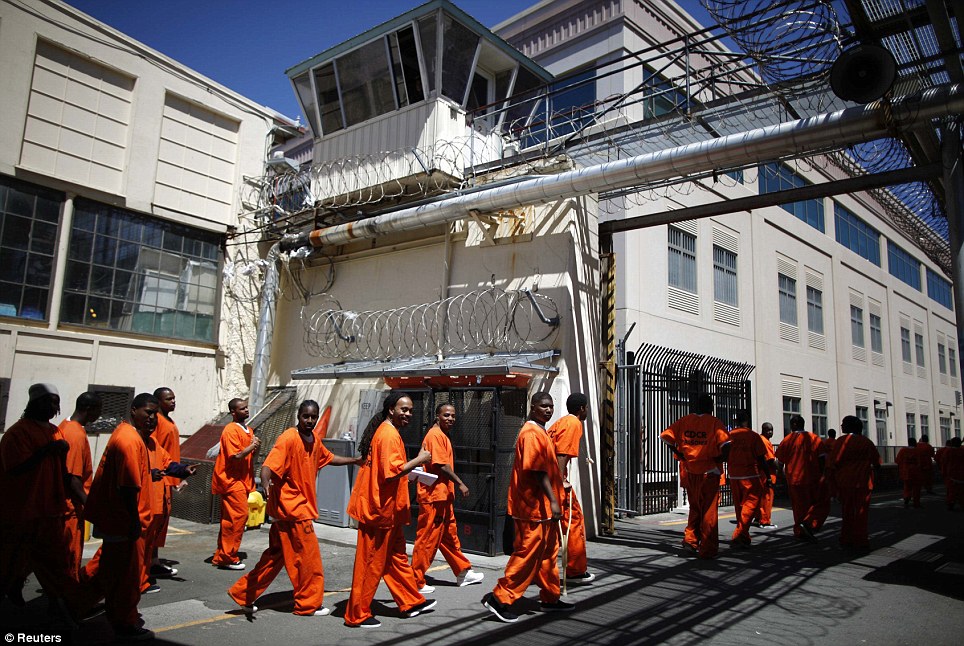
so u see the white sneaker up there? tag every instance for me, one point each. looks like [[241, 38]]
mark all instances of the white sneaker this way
[[469, 577], [427, 589], [249, 610], [322, 612], [238, 565]]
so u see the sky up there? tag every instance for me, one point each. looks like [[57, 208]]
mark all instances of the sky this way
[[246, 45]]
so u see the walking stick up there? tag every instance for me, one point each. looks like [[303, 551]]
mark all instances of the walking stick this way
[[565, 543]]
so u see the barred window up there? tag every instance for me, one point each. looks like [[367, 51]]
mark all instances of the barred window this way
[[876, 334], [814, 310], [857, 326], [682, 259], [791, 407], [856, 235], [911, 425], [952, 360], [941, 358], [919, 349], [724, 276], [788, 299], [925, 424], [819, 416], [905, 344]]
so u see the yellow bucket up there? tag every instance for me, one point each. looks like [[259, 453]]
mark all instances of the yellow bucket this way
[[256, 508]]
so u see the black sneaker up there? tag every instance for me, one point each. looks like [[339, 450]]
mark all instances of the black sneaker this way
[[162, 571], [133, 633], [580, 579], [806, 533], [371, 622], [557, 606], [428, 604], [499, 609]]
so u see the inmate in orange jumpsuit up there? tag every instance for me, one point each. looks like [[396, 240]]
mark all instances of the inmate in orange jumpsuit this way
[[746, 480], [380, 504], [952, 470], [925, 460], [168, 437], [292, 543], [114, 573], [158, 459], [566, 434], [700, 438], [800, 454], [908, 469], [851, 465], [79, 465], [437, 529], [828, 490], [536, 547], [233, 480], [34, 510], [766, 500]]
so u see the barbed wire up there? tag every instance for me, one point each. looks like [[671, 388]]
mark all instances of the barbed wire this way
[[487, 320]]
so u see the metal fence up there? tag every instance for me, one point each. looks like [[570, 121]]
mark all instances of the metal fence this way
[[654, 387]]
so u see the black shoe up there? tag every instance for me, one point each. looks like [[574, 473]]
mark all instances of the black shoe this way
[[806, 533], [428, 604], [499, 609], [581, 579], [371, 622], [557, 606], [161, 571]]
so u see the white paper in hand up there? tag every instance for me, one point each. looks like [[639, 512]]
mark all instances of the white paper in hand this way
[[424, 477]]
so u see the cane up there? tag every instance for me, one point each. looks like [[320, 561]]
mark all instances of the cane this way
[[565, 543]]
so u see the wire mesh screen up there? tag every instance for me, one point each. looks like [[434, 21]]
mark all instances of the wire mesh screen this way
[[268, 425], [115, 409], [196, 502]]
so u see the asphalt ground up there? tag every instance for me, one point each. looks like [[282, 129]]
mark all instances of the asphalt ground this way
[[909, 589]]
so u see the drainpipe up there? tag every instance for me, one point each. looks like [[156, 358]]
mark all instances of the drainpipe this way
[[262, 347], [825, 131]]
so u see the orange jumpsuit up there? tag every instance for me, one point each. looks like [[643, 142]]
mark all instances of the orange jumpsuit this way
[[566, 434], [766, 500], [925, 460], [158, 459], [168, 437], [292, 543], [233, 480], [114, 573], [380, 503], [536, 547], [952, 469], [851, 466], [828, 490], [746, 481], [700, 438], [437, 528], [908, 469], [78, 464], [800, 454]]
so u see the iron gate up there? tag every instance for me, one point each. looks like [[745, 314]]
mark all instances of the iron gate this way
[[654, 387]]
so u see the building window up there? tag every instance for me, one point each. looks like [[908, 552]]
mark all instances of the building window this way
[[919, 349], [903, 266], [862, 414], [905, 344], [788, 299], [132, 273], [911, 425], [876, 334], [819, 416], [791, 406], [939, 289], [941, 359], [924, 424], [957, 427], [880, 417], [952, 360], [682, 259], [29, 216], [779, 177], [857, 326], [945, 423], [856, 235], [814, 310], [724, 276]]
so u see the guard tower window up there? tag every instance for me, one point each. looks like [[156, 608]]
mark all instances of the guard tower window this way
[[366, 83], [459, 51], [327, 87]]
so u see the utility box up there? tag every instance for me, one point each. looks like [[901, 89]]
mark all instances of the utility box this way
[[334, 484]]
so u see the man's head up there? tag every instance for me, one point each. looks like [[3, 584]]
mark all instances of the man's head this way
[[239, 409], [766, 430], [911, 441], [797, 423], [165, 398], [578, 404], [924, 438], [831, 434], [955, 442], [88, 408], [741, 419], [43, 403], [307, 416], [704, 404], [851, 424], [144, 413], [445, 417], [541, 407]]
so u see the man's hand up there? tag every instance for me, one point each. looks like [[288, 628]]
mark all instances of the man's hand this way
[[156, 475], [463, 490], [555, 509], [423, 457], [255, 443], [566, 484]]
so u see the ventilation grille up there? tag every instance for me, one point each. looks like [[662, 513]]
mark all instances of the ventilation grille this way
[[685, 301]]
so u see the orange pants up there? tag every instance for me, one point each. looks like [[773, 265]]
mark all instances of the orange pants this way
[[74, 540], [161, 539], [534, 558], [702, 526], [380, 553], [803, 499], [39, 546], [821, 503], [854, 505], [746, 501], [927, 477], [766, 505], [437, 530], [114, 575], [292, 544], [576, 526], [146, 544], [912, 487], [234, 516]]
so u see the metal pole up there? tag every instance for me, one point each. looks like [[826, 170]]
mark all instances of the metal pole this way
[[954, 205], [262, 347], [607, 426]]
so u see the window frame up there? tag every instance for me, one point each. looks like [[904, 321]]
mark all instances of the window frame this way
[[725, 278], [815, 310], [857, 326], [684, 257], [787, 294]]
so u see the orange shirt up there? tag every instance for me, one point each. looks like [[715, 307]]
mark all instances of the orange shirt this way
[[908, 466], [534, 454], [852, 461], [925, 455], [375, 499], [229, 472], [746, 449], [40, 492], [566, 434], [78, 457], [158, 458], [168, 437], [828, 445], [439, 445], [800, 454], [125, 463], [939, 457], [296, 470], [700, 439], [770, 455]]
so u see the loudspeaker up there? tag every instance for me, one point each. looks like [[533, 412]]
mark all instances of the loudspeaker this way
[[863, 73]]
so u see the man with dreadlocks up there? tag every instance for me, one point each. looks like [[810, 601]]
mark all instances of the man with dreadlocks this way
[[380, 503]]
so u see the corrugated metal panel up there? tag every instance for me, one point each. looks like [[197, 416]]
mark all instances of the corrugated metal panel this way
[[726, 240], [817, 341], [814, 279], [786, 267], [878, 358], [789, 332], [859, 354], [819, 390], [683, 300], [910, 405], [726, 313], [862, 398], [791, 387], [689, 226], [857, 299]]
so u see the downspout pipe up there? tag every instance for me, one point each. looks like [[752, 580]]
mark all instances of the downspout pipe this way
[[266, 319], [833, 130]]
